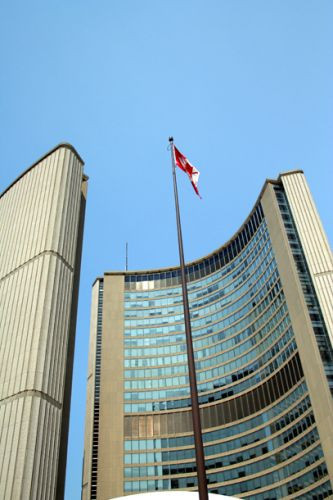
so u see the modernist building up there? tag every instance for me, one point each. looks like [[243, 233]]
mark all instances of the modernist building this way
[[261, 313], [41, 227]]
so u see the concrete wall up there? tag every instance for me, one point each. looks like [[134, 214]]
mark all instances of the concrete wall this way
[[41, 235], [314, 242], [110, 453], [315, 377]]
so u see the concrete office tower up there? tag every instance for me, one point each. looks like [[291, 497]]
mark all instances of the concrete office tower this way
[[261, 308], [41, 224]]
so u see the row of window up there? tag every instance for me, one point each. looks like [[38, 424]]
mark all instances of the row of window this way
[[230, 460], [206, 266], [249, 381], [248, 350], [178, 444], [316, 474], [208, 329], [255, 312], [214, 282], [274, 313], [217, 395], [213, 339], [218, 414], [162, 381], [228, 293], [265, 480], [300, 427], [164, 371], [264, 281], [280, 383], [220, 284], [247, 401], [319, 493], [227, 271], [261, 282], [246, 367]]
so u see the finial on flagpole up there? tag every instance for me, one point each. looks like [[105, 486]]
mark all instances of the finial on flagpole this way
[[170, 139]]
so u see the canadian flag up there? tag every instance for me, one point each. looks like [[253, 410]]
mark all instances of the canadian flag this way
[[183, 163]]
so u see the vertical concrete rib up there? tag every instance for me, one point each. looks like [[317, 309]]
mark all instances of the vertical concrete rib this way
[[111, 421], [41, 221]]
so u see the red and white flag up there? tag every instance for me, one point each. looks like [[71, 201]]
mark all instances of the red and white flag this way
[[183, 163]]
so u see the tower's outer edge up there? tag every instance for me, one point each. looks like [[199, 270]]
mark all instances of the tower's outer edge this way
[[41, 220]]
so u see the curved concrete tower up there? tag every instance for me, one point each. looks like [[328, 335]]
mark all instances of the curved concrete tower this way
[[261, 314], [41, 228]]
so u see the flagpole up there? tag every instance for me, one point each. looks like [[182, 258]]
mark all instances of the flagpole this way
[[199, 452]]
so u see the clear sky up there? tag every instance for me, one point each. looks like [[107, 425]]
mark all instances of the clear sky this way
[[245, 87]]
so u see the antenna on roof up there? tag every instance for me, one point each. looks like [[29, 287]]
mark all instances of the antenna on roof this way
[[126, 265]]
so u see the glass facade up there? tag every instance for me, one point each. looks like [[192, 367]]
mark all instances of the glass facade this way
[[260, 431], [242, 337]]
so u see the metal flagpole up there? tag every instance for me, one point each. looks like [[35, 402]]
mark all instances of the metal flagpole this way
[[199, 452]]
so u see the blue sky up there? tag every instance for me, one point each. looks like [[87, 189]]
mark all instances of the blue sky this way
[[245, 88]]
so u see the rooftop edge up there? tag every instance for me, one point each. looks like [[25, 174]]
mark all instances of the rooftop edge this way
[[66, 145], [173, 268]]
